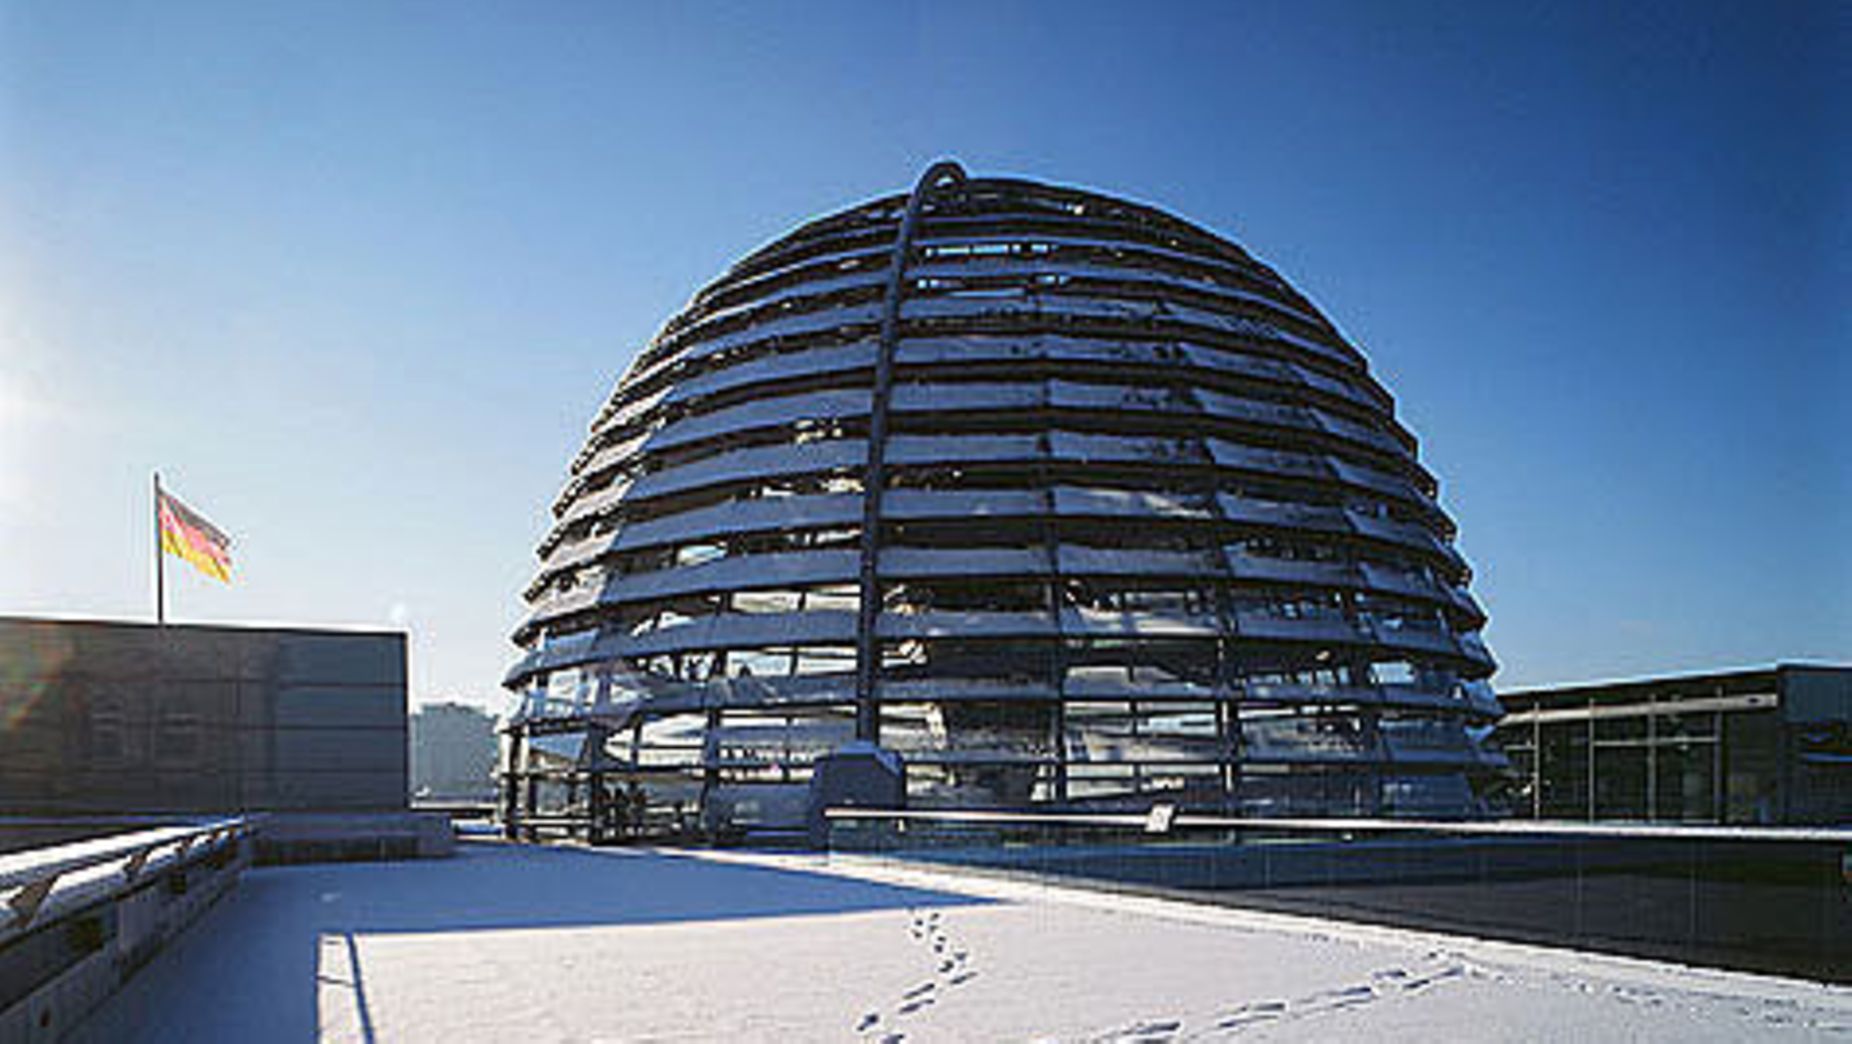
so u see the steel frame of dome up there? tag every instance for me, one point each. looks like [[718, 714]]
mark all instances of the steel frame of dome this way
[[1065, 500]]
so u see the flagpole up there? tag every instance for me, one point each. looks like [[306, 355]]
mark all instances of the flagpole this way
[[160, 565]]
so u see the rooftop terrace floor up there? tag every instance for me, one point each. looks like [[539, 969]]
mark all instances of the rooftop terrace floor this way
[[526, 943]]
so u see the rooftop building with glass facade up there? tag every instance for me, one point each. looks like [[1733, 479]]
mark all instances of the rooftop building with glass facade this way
[[1770, 745]]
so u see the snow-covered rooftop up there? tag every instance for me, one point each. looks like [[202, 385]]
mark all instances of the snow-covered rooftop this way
[[525, 943]]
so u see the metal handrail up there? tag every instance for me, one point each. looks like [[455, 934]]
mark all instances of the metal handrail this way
[[31, 876], [1500, 827]]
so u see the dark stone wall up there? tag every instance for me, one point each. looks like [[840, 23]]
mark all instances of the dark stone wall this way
[[107, 718]]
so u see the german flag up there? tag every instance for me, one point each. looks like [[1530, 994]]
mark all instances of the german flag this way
[[186, 534]]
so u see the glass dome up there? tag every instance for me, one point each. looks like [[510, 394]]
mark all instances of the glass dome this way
[[1064, 500]]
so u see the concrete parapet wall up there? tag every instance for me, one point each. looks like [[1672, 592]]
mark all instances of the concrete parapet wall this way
[[99, 923], [353, 837]]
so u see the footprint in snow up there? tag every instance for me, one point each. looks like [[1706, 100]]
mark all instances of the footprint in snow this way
[[1418, 984], [1149, 1032], [1248, 1014], [1330, 1000]]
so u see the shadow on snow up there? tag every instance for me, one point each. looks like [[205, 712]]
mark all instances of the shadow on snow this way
[[252, 965]]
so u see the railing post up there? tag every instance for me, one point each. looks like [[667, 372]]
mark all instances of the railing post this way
[[25, 903]]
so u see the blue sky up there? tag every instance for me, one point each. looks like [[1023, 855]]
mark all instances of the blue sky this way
[[355, 276]]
